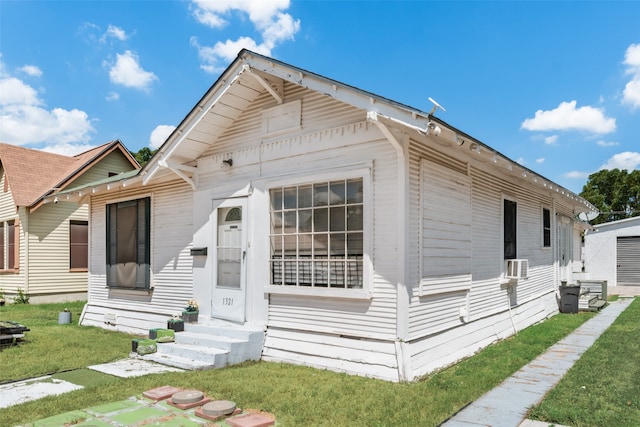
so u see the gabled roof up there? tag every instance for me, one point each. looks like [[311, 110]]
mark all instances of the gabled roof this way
[[251, 75], [33, 174]]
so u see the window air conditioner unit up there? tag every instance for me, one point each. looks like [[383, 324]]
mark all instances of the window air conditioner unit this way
[[517, 269]]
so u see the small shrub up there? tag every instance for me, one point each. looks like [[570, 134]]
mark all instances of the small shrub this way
[[21, 298]]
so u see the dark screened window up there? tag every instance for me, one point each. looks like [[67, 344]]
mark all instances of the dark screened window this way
[[79, 245], [546, 227], [128, 244], [510, 229]]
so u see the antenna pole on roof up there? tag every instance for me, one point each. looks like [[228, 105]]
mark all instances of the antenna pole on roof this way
[[435, 106]]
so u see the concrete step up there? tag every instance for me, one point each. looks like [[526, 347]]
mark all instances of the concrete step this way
[[179, 362], [210, 345]]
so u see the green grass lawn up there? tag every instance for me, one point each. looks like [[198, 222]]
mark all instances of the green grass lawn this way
[[603, 387], [295, 395]]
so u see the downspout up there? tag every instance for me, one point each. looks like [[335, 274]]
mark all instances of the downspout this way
[[403, 294]]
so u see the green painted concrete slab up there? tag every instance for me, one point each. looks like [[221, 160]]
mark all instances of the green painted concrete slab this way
[[62, 419], [115, 407], [146, 414]]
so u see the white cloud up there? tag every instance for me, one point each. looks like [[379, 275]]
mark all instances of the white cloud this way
[[577, 175], [268, 18], [627, 160], [603, 143], [112, 96], [128, 72], [551, 140], [25, 119], [159, 135], [520, 161], [540, 160], [631, 93], [568, 117], [31, 70], [116, 33], [15, 92], [67, 149]]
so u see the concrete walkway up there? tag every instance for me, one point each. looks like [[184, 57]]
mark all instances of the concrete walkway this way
[[508, 404]]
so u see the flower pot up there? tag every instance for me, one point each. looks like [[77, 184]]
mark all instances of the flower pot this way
[[190, 316], [64, 317], [177, 326]]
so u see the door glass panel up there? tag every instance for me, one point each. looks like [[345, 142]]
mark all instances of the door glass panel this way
[[229, 247]]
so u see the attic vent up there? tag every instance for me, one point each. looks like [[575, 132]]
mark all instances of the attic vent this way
[[282, 119], [517, 269]]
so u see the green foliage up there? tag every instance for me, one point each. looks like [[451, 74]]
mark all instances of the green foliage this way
[[603, 387], [21, 297], [143, 155], [296, 395], [615, 192]]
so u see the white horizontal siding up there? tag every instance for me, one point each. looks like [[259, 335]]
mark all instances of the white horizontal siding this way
[[437, 351], [375, 359], [171, 263]]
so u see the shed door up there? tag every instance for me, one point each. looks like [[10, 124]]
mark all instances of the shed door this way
[[228, 300], [628, 261]]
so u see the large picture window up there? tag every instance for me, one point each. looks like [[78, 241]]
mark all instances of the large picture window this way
[[78, 245], [317, 235], [128, 244]]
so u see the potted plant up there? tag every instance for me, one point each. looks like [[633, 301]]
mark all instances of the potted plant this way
[[176, 323], [190, 313]]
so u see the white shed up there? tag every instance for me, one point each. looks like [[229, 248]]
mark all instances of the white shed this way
[[362, 235], [612, 252]]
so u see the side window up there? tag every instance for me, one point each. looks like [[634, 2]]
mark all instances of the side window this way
[[509, 232], [128, 244], [78, 245], [546, 228], [2, 246], [11, 245]]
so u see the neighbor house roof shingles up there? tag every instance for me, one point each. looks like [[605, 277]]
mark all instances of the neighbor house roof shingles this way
[[32, 174]]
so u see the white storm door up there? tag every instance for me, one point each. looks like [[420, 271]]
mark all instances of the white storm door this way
[[229, 285]]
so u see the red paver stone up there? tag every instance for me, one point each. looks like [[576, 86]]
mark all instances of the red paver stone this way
[[161, 393], [250, 420]]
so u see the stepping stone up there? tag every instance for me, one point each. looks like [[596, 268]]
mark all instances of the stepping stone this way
[[187, 397], [219, 407], [161, 393]]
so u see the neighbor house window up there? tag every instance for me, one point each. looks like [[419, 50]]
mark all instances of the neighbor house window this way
[[509, 212], [546, 228], [128, 244], [9, 245], [78, 245], [317, 235]]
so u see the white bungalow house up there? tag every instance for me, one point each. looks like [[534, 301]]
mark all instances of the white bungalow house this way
[[612, 252], [360, 234]]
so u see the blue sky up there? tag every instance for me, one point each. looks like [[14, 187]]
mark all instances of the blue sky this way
[[552, 85]]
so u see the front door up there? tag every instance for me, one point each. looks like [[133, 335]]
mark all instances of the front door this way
[[228, 296]]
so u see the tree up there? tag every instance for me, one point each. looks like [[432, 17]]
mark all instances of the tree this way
[[615, 192], [143, 155]]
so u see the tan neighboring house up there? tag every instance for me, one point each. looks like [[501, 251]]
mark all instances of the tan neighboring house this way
[[44, 246]]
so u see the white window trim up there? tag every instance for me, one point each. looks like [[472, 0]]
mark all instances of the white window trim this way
[[542, 208], [152, 242], [366, 292]]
